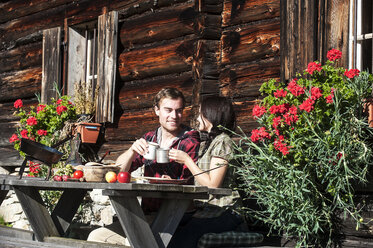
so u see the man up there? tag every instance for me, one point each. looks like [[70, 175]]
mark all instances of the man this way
[[169, 104]]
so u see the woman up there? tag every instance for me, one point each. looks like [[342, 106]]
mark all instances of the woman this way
[[216, 215]]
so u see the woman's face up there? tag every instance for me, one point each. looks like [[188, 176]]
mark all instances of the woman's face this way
[[204, 124]]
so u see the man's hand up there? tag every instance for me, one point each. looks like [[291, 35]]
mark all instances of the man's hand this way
[[140, 146]]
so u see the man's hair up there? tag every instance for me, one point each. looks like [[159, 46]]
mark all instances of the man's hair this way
[[171, 93]]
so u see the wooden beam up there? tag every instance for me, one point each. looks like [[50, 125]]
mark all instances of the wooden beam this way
[[242, 12], [20, 84], [251, 43], [162, 25], [140, 94], [161, 59]]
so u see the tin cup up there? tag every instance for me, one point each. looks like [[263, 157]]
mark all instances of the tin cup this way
[[162, 155], [152, 148]]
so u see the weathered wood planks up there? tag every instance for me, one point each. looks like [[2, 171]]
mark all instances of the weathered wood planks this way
[[224, 47]]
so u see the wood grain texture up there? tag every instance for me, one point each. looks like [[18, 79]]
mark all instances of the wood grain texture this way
[[106, 66], [22, 57], [161, 25], [51, 69], [168, 218], [66, 208], [162, 59], [20, 84], [250, 43], [239, 12], [36, 213], [139, 94], [244, 80]]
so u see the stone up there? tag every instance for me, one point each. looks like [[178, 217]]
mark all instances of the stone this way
[[11, 213], [107, 215], [22, 224], [98, 198]]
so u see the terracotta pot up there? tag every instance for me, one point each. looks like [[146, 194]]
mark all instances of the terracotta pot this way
[[89, 132]]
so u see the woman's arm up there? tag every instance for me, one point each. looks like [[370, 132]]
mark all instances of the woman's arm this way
[[212, 179]]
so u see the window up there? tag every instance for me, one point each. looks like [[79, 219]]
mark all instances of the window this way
[[361, 32], [89, 56]]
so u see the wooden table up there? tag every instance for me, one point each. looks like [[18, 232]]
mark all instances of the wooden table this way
[[123, 197]]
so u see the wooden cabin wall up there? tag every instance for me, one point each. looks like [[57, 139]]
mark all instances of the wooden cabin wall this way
[[226, 47], [250, 52], [309, 29]]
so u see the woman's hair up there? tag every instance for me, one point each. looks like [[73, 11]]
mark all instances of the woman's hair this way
[[219, 111], [171, 93]]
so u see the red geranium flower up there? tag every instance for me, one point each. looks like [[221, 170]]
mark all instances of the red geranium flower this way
[[40, 108], [13, 138], [313, 66], [294, 88], [315, 93], [280, 146], [258, 111], [307, 105], [59, 101], [42, 132], [18, 103], [259, 134], [31, 121], [60, 109], [280, 93], [276, 122], [352, 73], [334, 54], [24, 133]]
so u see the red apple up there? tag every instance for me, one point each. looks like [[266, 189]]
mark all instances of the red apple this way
[[111, 177], [124, 177]]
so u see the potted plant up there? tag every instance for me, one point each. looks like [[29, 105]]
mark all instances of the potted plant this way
[[44, 123], [312, 145], [85, 102]]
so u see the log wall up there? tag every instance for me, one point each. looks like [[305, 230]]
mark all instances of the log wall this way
[[226, 47]]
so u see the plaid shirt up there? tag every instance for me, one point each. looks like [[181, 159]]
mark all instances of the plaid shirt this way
[[188, 142]]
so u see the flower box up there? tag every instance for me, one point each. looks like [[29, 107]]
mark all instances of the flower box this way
[[89, 131]]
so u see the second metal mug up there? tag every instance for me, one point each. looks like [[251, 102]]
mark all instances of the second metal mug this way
[[162, 155]]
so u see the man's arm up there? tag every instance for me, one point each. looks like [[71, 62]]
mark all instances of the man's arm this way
[[125, 159]]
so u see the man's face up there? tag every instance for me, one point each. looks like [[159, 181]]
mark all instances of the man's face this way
[[170, 114]]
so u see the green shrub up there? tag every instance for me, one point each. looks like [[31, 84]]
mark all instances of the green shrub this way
[[313, 143]]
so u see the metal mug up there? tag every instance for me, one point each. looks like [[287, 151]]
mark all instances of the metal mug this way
[[152, 148], [162, 155]]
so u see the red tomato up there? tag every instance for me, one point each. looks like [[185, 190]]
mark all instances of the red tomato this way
[[78, 174], [124, 177]]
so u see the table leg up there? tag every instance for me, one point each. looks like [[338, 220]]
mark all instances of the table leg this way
[[3, 194], [66, 208], [168, 218], [34, 208], [133, 221]]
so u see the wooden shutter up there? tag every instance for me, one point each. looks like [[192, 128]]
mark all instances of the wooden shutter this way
[[106, 66], [51, 68], [77, 59]]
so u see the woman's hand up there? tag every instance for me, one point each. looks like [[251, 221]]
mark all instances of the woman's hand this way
[[179, 156]]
